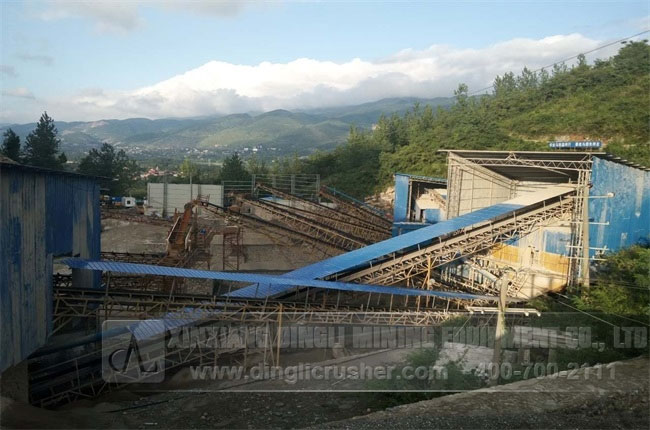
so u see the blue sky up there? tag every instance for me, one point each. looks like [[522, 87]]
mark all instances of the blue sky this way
[[93, 60]]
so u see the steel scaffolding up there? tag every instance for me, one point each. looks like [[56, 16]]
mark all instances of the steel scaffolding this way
[[401, 268]]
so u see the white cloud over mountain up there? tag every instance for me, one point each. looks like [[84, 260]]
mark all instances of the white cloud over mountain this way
[[221, 88]]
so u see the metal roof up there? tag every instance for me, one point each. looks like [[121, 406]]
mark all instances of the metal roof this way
[[6, 163], [522, 172], [615, 159], [288, 282], [534, 174], [550, 155]]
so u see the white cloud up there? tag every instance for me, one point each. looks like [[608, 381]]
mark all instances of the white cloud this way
[[45, 60], [8, 71], [119, 16], [221, 88], [124, 16], [218, 8], [20, 92]]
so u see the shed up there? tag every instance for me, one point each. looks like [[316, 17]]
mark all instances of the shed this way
[[44, 214]]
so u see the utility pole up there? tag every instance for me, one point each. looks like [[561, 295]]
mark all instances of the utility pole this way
[[500, 331], [164, 208]]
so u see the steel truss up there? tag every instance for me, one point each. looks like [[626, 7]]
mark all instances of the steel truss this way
[[310, 227], [511, 160], [54, 382], [132, 257], [325, 212], [579, 248], [353, 229], [279, 234], [357, 211], [81, 377], [72, 303], [467, 242], [232, 247]]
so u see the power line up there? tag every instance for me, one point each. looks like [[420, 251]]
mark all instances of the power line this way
[[570, 58], [586, 313], [595, 317]]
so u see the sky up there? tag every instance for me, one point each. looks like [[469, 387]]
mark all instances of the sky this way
[[92, 60]]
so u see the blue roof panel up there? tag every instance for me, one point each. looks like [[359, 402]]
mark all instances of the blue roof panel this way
[[264, 283], [365, 255]]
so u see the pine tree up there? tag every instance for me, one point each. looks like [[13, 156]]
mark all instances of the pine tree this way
[[11, 145], [233, 169], [42, 145], [118, 167]]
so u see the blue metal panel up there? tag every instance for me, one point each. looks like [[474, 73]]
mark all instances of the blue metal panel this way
[[73, 216], [627, 212], [400, 211], [25, 266], [556, 242], [365, 255], [42, 214], [405, 227], [289, 282], [432, 216]]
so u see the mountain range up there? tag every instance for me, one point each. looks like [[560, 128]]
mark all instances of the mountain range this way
[[279, 131]]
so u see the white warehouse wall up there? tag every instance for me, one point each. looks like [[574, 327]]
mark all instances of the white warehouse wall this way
[[180, 194]]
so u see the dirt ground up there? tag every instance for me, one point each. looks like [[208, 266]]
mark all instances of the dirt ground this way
[[560, 401], [551, 402], [259, 253], [125, 236]]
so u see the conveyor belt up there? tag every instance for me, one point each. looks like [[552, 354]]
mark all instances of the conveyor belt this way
[[442, 231], [262, 280]]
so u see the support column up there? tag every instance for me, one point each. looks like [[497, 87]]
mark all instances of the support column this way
[[500, 332], [584, 267]]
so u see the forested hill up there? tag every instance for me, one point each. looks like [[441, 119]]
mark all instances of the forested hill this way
[[608, 100]]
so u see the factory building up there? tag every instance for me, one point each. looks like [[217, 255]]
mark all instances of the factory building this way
[[612, 211]]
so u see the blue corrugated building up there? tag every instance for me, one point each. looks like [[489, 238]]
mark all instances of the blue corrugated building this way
[[619, 204], [44, 214], [407, 215]]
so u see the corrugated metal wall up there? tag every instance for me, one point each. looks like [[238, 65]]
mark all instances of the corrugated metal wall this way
[[42, 215], [25, 266], [628, 212]]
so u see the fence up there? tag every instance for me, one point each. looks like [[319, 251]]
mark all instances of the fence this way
[[306, 186]]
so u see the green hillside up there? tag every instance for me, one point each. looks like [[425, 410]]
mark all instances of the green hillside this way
[[608, 100], [288, 132]]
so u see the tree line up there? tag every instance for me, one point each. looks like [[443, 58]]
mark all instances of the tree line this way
[[41, 149], [607, 100]]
